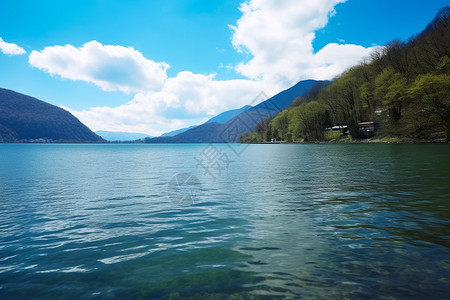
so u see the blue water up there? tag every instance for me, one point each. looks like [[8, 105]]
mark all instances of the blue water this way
[[224, 221]]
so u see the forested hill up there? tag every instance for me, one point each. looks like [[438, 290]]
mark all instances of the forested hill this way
[[404, 88], [27, 119]]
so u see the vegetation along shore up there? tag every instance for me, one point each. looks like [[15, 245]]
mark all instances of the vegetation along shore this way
[[402, 94]]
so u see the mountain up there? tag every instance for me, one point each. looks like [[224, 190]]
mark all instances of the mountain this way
[[215, 132], [228, 115], [121, 136], [205, 133], [27, 119], [221, 118], [178, 131]]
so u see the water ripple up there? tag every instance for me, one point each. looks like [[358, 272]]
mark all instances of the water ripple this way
[[284, 221]]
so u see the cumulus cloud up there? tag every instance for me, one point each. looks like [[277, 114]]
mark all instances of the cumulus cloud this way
[[184, 100], [278, 34], [10, 48], [334, 58], [112, 68]]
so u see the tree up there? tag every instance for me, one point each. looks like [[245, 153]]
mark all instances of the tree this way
[[261, 129], [296, 127], [391, 88], [314, 118], [343, 98], [434, 92], [443, 66], [280, 125]]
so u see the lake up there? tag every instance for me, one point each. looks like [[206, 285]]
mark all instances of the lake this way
[[224, 221]]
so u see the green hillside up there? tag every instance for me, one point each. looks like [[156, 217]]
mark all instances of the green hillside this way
[[404, 89]]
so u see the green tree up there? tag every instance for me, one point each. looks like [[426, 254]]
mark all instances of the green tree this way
[[391, 87], [443, 66], [314, 118], [280, 125], [296, 126], [343, 99], [434, 92]]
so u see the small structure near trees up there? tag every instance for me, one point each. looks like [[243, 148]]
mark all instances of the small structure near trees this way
[[368, 129]]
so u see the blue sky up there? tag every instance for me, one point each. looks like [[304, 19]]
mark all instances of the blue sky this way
[[190, 59]]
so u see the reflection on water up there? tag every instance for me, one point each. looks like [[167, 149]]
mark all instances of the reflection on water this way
[[283, 221]]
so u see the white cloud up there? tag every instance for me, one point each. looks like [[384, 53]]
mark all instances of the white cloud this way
[[204, 95], [10, 48], [334, 58], [279, 35], [184, 100], [113, 68]]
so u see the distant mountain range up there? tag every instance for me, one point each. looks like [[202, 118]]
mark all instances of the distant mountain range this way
[[221, 118], [178, 131], [113, 136], [228, 115], [241, 122], [27, 119]]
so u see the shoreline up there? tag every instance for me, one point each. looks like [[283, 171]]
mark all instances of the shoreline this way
[[343, 141], [387, 140]]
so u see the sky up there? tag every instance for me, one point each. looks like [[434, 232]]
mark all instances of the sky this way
[[152, 66]]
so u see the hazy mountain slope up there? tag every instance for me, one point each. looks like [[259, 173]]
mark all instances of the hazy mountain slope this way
[[228, 115], [178, 131], [221, 118]]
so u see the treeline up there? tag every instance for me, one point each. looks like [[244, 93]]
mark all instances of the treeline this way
[[404, 87]]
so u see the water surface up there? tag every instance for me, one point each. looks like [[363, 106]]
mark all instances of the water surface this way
[[213, 221]]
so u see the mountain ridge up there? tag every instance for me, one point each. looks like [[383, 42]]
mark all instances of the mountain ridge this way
[[27, 119]]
